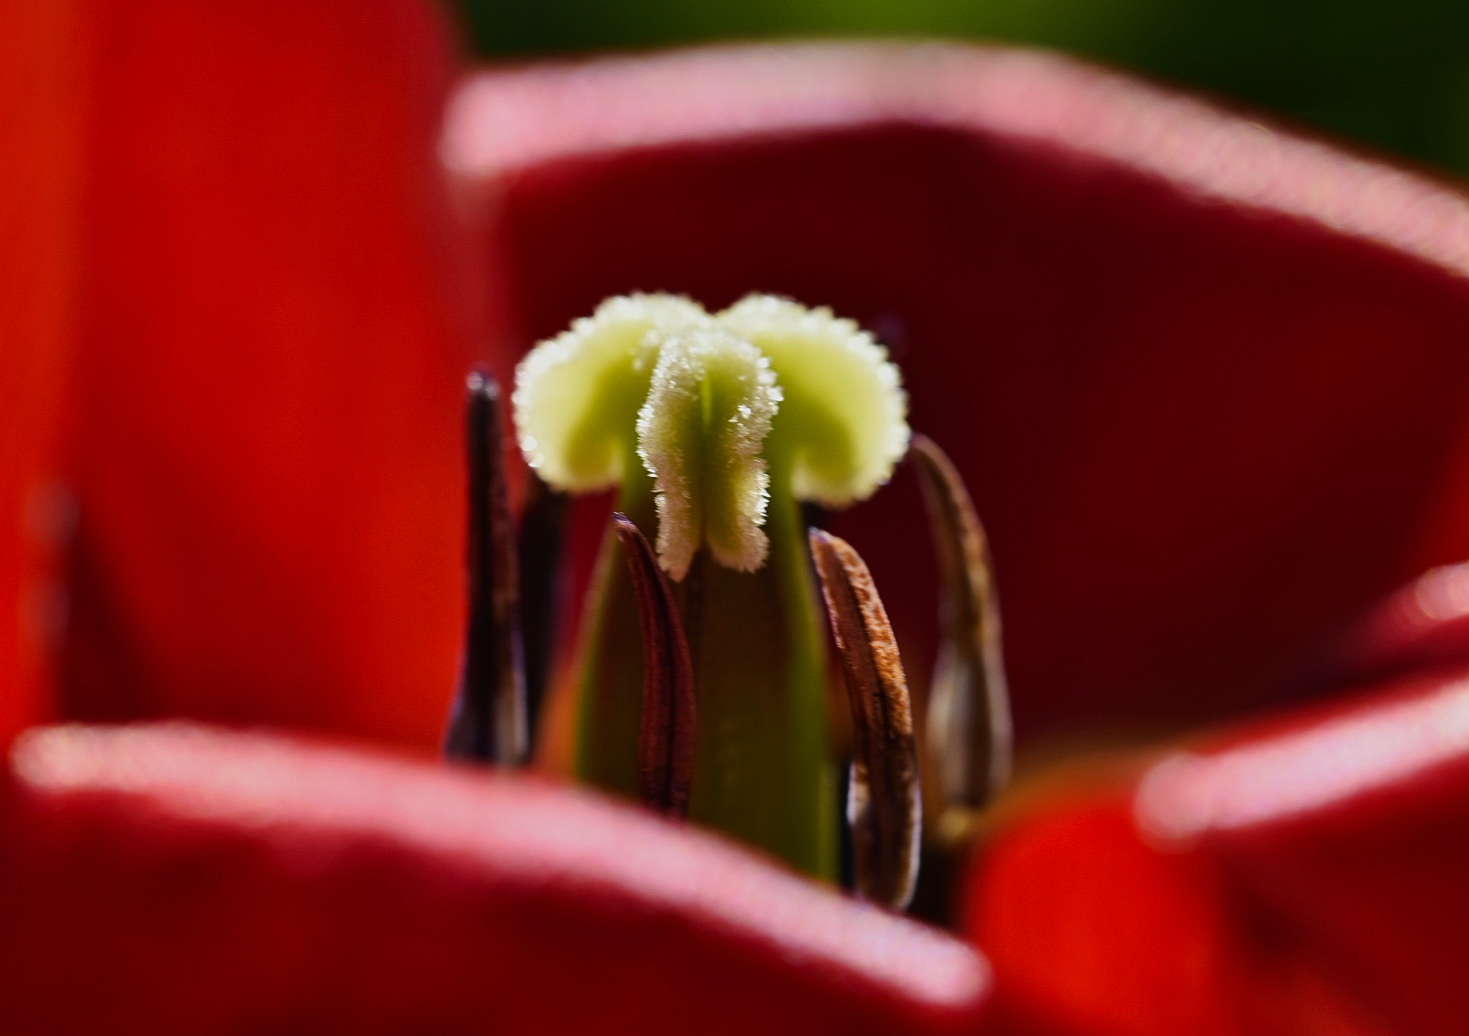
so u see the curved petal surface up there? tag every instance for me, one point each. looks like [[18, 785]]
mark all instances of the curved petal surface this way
[[1207, 380], [1303, 875], [40, 195], [265, 449], [187, 879]]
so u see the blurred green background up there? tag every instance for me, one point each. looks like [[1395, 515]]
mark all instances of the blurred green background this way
[[1392, 76]]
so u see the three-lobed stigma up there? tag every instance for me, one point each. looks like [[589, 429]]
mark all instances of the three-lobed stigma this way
[[720, 411]]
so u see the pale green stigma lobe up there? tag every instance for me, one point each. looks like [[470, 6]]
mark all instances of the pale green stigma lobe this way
[[700, 435], [844, 422], [576, 395]]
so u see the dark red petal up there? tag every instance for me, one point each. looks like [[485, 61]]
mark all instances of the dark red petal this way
[[40, 189], [266, 449], [1206, 380], [1423, 625], [180, 879], [1304, 876]]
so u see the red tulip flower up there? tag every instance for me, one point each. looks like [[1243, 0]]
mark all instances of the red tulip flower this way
[[1204, 379], [241, 319]]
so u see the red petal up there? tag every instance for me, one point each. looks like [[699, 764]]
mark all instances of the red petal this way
[[1304, 877], [1206, 380], [275, 333], [1421, 626], [40, 188], [178, 879]]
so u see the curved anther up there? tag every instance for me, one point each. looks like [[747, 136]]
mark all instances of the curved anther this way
[[666, 731], [488, 723], [969, 730], [884, 806]]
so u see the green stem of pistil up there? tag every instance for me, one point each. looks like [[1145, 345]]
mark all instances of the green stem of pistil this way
[[762, 767], [762, 764]]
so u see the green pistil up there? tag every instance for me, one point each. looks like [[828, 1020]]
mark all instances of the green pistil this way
[[738, 416], [763, 769]]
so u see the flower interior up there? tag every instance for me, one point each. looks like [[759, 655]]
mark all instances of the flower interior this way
[[701, 677]]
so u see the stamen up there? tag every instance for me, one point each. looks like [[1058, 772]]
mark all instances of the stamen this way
[[969, 727], [542, 521], [884, 806], [488, 722], [666, 733]]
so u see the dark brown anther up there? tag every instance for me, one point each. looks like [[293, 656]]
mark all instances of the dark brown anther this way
[[666, 733], [883, 806], [488, 723], [542, 521], [969, 728]]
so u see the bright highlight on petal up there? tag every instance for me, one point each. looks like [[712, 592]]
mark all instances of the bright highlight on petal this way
[[844, 420], [577, 395], [700, 434], [1322, 766]]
